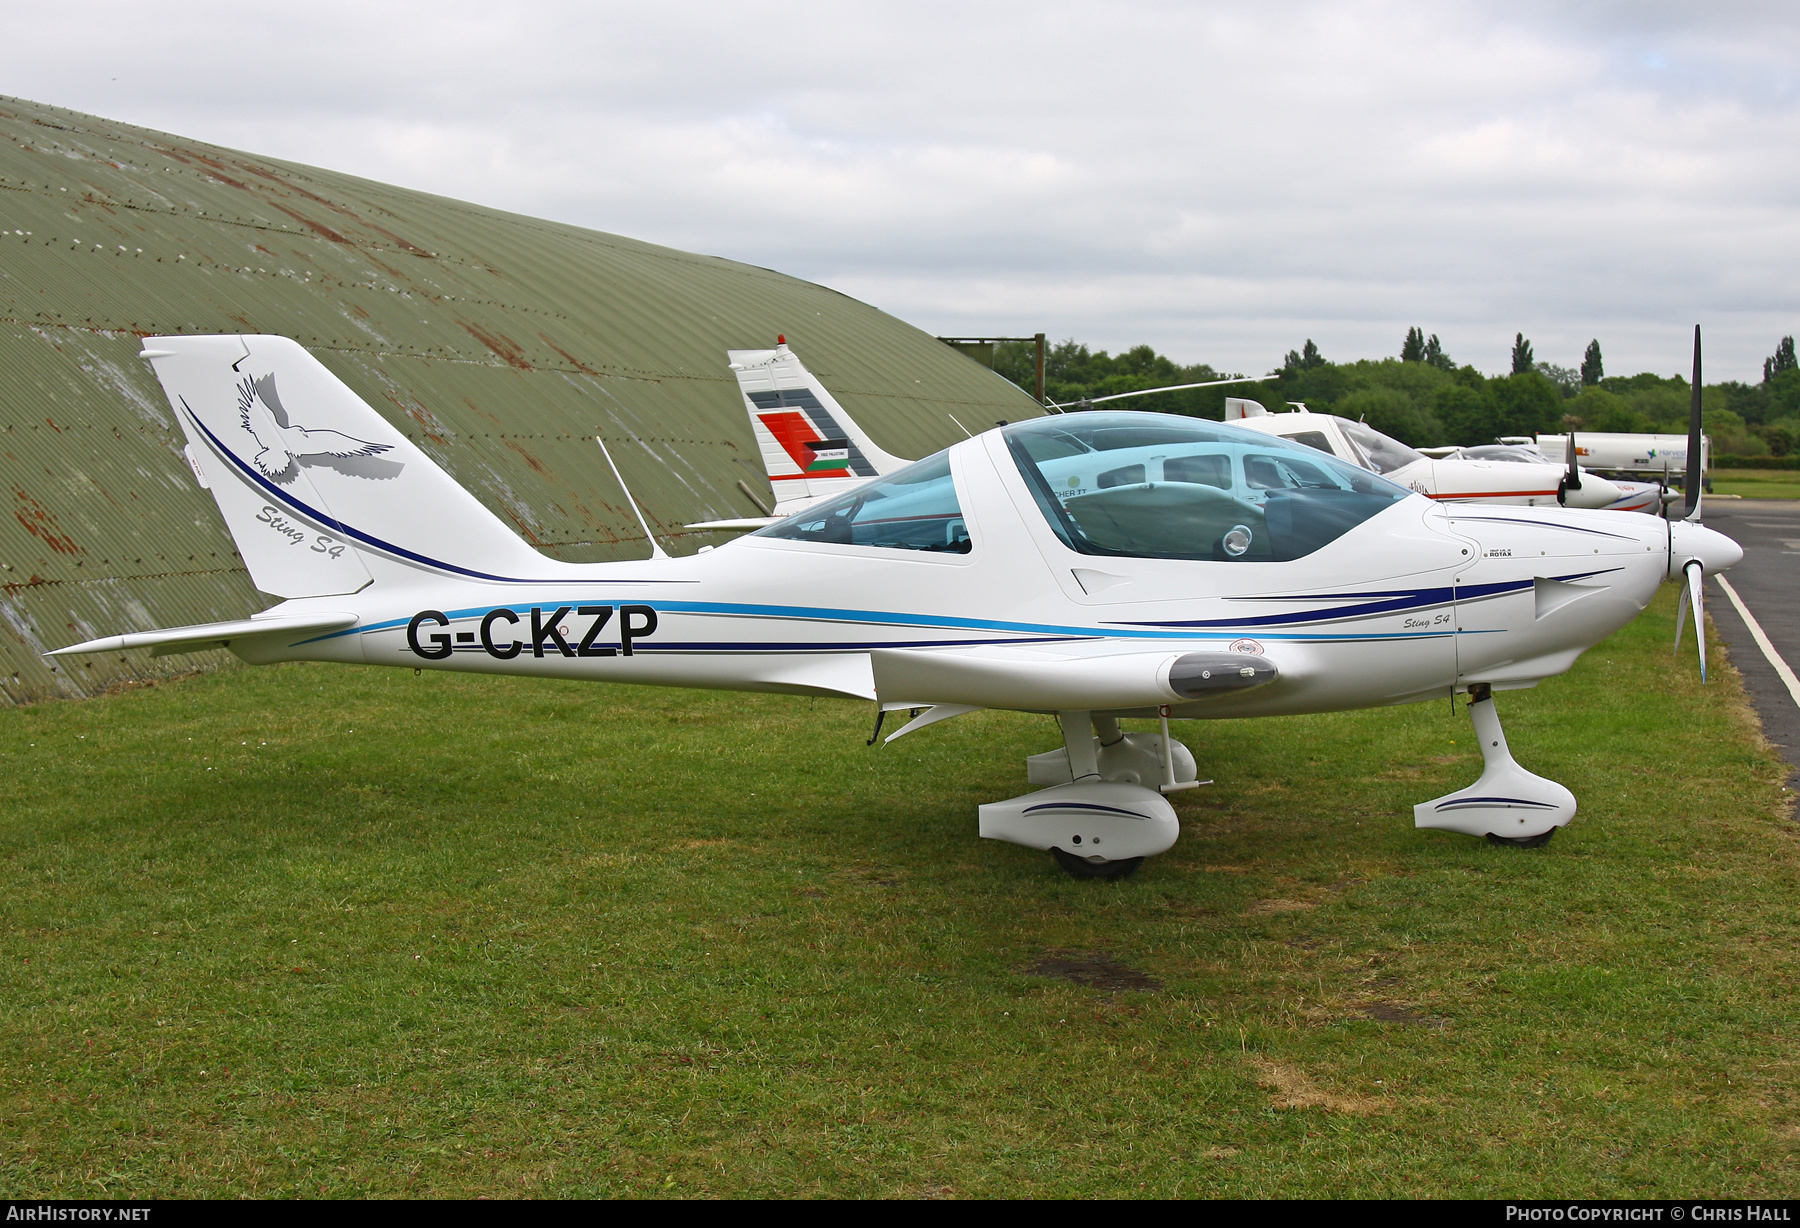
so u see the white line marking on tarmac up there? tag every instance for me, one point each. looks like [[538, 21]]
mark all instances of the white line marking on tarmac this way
[[1762, 641]]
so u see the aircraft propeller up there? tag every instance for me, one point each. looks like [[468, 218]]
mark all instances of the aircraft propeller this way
[[1693, 457], [1692, 571], [1571, 479]]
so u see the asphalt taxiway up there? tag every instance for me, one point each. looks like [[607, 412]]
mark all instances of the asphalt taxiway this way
[[1767, 583]]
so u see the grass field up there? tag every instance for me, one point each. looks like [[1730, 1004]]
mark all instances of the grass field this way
[[320, 931], [1758, 483]]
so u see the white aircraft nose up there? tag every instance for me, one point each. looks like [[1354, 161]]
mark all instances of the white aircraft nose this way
[[1713, 549]]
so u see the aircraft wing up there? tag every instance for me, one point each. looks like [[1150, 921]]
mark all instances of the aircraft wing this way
[[212, 635]]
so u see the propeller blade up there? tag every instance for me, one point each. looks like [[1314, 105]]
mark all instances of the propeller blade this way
[[1680, 625], [1693, 456], [1696, 582], [1572, 479]]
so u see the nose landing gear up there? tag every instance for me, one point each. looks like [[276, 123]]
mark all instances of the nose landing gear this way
[[1508, 805]]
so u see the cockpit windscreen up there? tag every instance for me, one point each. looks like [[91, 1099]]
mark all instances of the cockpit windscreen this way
[[915, 508], [1165, 487], [1385, 453]]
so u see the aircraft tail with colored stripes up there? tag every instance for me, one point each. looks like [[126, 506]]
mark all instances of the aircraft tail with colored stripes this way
[[811, 448]]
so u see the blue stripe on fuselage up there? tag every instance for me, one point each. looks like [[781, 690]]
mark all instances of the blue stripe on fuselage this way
[[1387, 603], [1015, 632]]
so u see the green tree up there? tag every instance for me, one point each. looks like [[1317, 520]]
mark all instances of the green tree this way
[[1751, 402], [1781, 360], [1466, 408], [1784, 394], [1413, 349], [1522, 361], [1304, 359], [1596, 409], [1313, 381], [1729, 435], [1429, 400], [1392, 412], [1781, 437], [1526, 403], [1072, 372], [1566, 379], [1592, 369]]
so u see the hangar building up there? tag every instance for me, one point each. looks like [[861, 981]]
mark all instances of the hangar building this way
[[500, 344]]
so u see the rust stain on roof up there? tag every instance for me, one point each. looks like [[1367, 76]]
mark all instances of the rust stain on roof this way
[[500, 344], [536, 465], [41, 523], [573, 361], [409, 248], [318, 228]]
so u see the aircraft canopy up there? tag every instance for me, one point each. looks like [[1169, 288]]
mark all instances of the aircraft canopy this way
[[1159, 486]]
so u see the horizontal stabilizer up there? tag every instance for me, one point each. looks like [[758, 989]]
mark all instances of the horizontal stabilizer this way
[[209, 635]]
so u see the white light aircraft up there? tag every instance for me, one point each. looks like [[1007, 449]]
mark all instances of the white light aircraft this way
[[1099, 566], [1607, 453]]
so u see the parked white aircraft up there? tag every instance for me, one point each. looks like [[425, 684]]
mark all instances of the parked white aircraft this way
[[1454, 477], [1664, 457], [1099, 566]]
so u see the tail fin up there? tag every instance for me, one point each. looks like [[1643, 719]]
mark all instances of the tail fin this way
[[809, 445], [314, 485]]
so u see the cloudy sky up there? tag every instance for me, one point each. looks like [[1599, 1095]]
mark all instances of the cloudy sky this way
[[1219, 180]]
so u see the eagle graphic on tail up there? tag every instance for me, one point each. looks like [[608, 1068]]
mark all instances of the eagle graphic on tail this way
[[285, 443]]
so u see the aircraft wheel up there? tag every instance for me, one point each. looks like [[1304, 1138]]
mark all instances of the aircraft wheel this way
[[1524, 842], [1081, 867]]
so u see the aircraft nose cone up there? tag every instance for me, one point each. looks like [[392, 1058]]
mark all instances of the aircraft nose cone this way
[[1715, 551], [1595, 492]]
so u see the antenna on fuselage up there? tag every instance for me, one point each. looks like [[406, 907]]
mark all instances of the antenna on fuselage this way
[[656, 551]]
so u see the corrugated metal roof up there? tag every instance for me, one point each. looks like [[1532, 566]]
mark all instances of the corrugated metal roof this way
[[501, 344]]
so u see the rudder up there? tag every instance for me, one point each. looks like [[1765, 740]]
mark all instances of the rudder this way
[[313, 484], [810, 447]]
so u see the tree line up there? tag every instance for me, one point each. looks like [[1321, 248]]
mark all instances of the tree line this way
[[1425, 398]]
